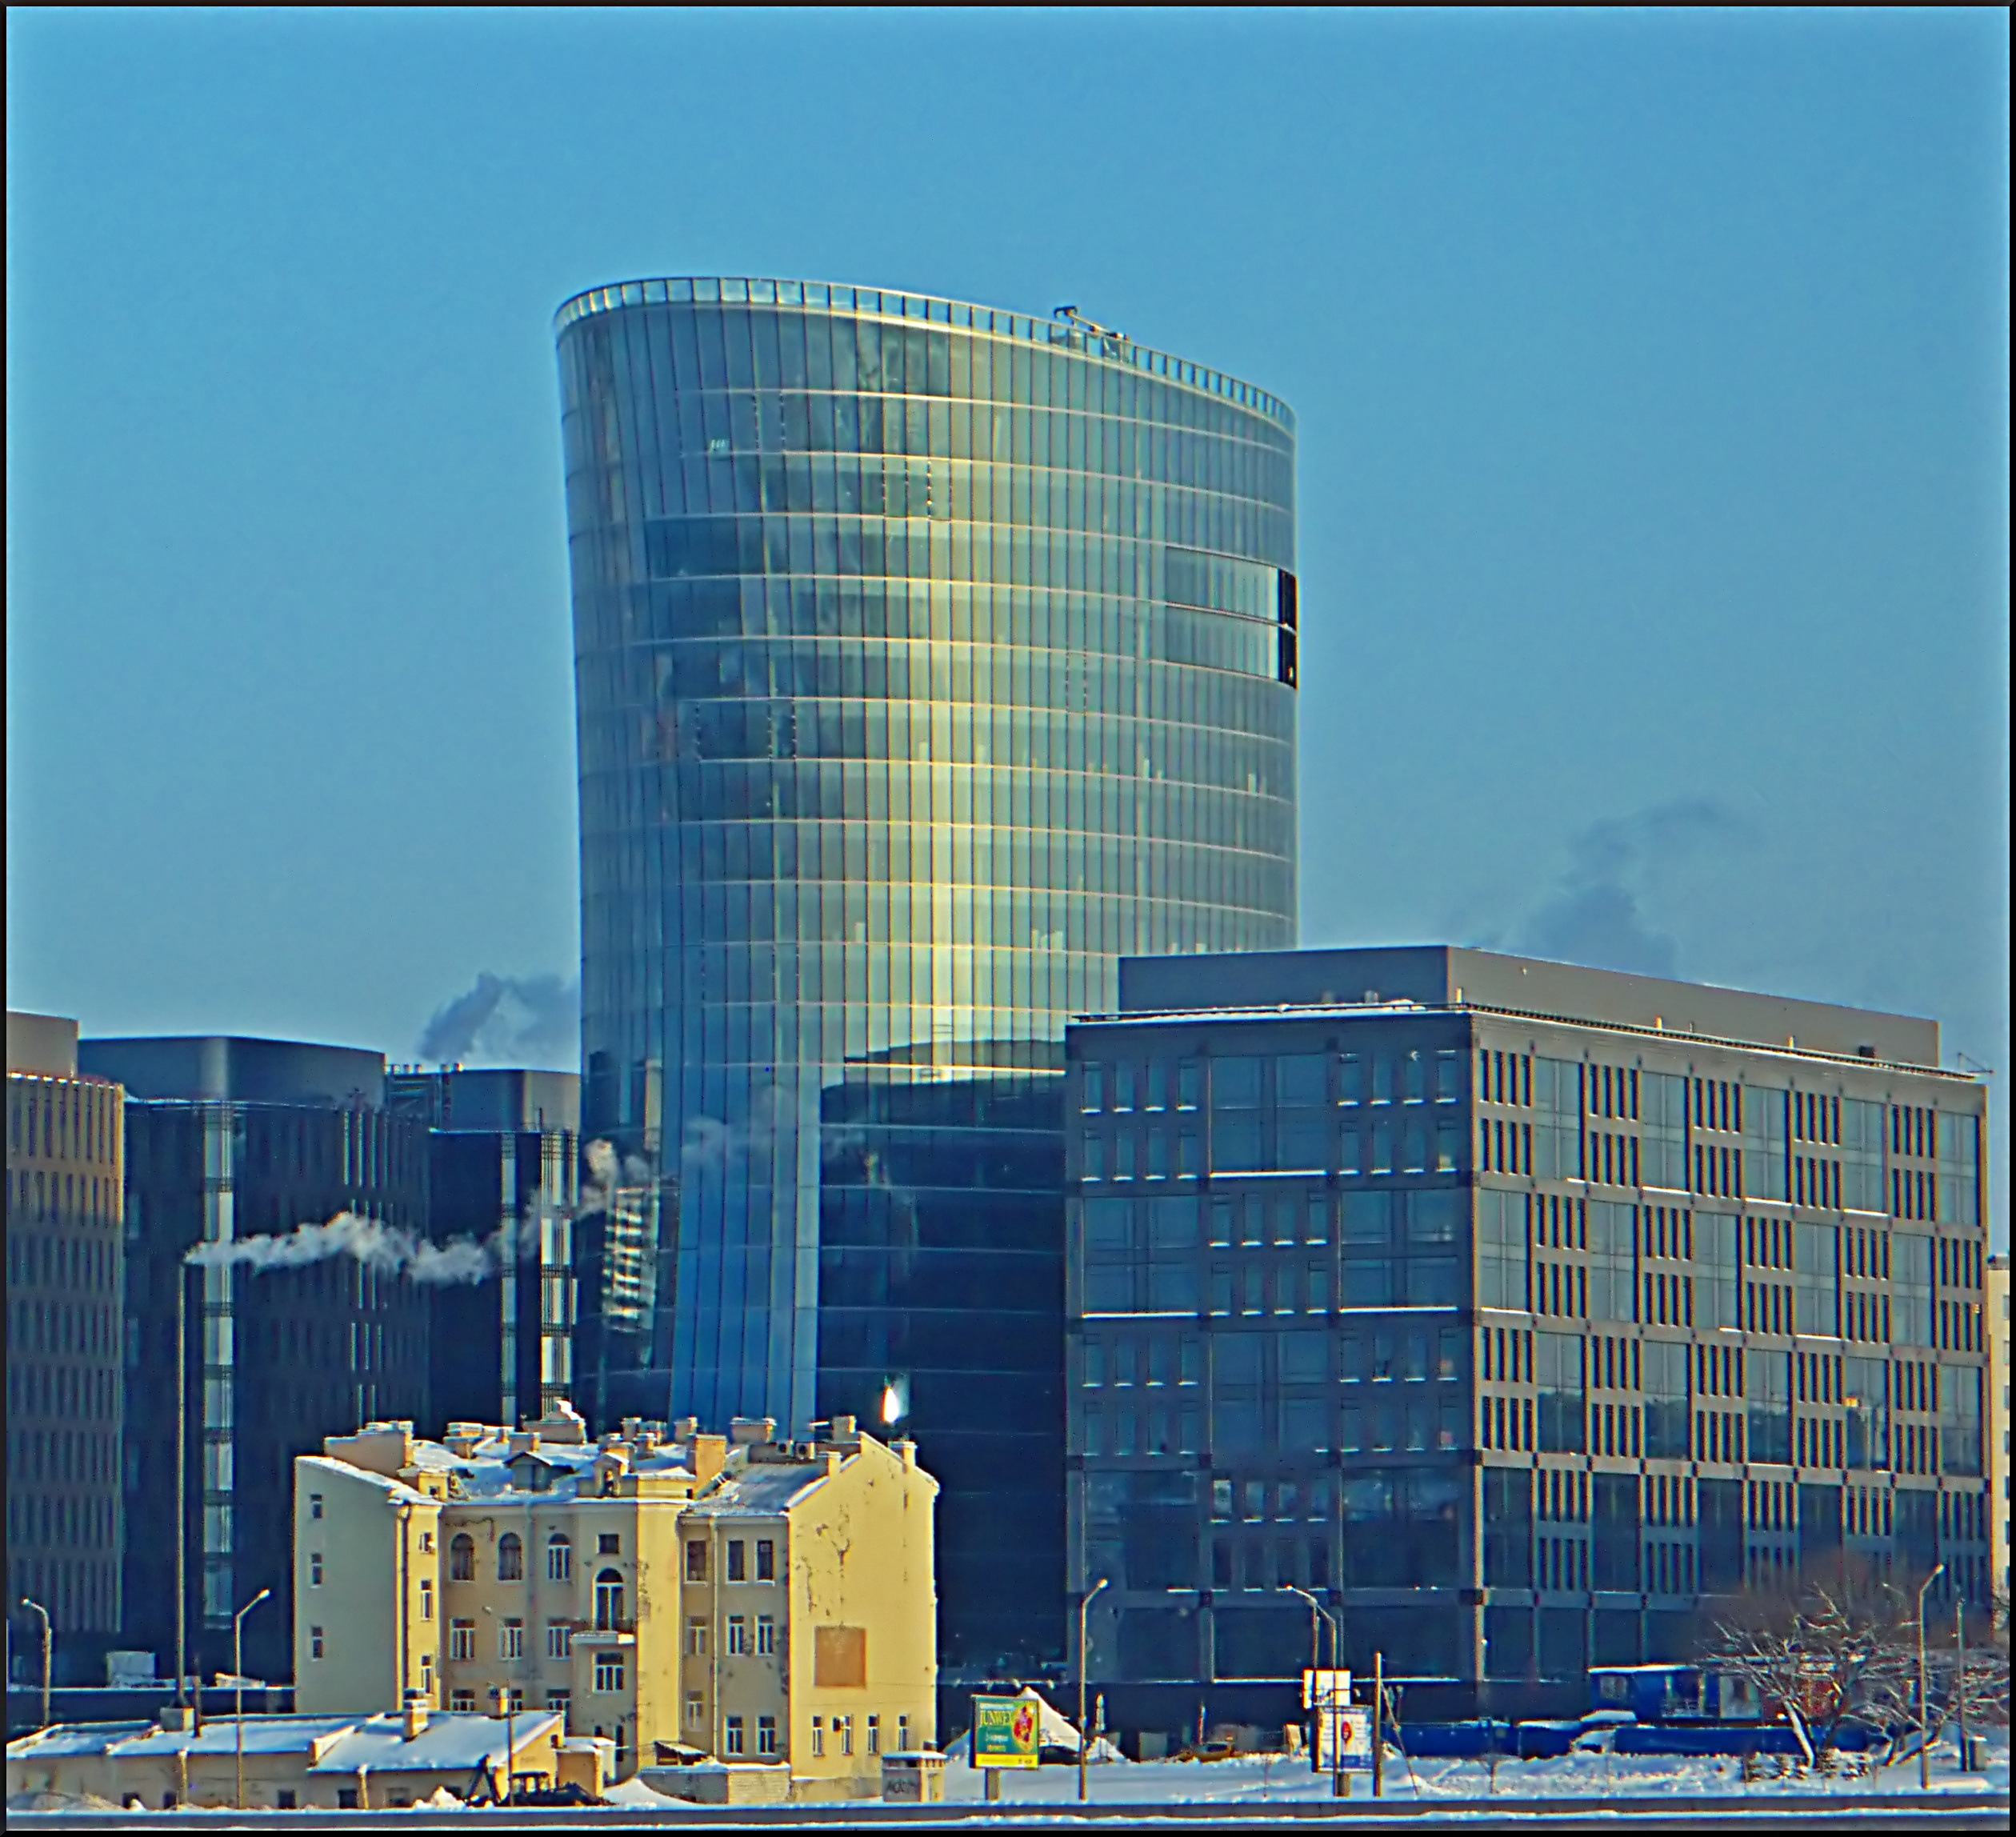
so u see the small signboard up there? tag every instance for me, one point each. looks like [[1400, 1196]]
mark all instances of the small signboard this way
[[1345, 1726], [1325, 1687], [1006, 1731]]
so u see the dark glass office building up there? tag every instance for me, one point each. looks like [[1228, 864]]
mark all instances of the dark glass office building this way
[[1523, 1313], [929, 659], [503, 1168], [228, 1139]]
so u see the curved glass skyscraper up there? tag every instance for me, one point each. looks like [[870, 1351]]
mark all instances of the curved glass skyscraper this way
[[929, 659]]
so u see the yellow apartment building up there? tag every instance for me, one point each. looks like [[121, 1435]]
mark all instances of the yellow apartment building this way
[[678, 1593]]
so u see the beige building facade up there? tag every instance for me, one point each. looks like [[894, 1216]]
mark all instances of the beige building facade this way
[[678, 1594], [65, 1334], [1998, 1378]]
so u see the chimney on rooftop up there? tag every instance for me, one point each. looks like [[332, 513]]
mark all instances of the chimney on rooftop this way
[[685, 1428], [709, 1453], [416, 1715], [745, 1430]]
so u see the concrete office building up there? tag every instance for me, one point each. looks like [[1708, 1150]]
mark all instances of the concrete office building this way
[[1517, 1311], [227, 1140], [64, 1331], [928, 659], [760, 1601], [503, 1168]]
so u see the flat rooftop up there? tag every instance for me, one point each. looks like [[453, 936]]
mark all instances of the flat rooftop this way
[[1448, 975]]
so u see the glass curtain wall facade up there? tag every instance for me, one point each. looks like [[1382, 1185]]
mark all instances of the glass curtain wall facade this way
[[928, 659], [1523, 1341]]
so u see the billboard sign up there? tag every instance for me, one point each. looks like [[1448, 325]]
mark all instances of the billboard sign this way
[[1006, 1731], [1345, 1726]]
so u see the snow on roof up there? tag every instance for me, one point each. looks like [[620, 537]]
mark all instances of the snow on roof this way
[[60, 1739], [565, 1469], [759, 1487], [263, 1735], [397, 1490], [452, 1741]]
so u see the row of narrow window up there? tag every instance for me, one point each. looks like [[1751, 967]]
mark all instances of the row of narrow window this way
[[52, 1117]]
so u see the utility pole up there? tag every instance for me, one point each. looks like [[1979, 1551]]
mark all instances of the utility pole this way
[[1378, 1717], [37, 1607], [1085, 1607]]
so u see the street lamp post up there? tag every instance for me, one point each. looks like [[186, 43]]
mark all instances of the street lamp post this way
[[237, 1681], [1336, 1725], [1085, 1607], [37, 1607], [182, 1490], [1960, 1674], [1925, 1729]]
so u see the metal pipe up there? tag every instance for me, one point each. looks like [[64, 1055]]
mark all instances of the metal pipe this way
[[1084, 1608], [36, 1606], [501, 1694]]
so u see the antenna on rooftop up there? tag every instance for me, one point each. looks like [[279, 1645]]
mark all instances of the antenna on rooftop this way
[[1071, 316]]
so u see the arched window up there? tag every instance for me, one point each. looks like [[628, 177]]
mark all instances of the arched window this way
[[510, 1558], [559, 1559], [462, 1558], [609, 1602]]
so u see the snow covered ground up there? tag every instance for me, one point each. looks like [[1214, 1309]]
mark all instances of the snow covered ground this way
[[1253, 1780], [1258, 1778]]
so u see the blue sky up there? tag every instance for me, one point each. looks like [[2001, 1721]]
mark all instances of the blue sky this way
[[1651, 372]]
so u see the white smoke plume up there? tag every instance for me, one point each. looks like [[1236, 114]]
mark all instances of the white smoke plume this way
[[394, 1251], [506, 1020], [371, 1241]]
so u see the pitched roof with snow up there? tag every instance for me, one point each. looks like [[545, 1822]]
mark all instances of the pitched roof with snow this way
[[452, 1741]]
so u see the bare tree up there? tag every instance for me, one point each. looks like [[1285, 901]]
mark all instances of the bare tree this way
[[1970, 1688], [1817, 1662]]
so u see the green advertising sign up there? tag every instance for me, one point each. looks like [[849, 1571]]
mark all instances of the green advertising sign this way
[[1005, 1731]]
